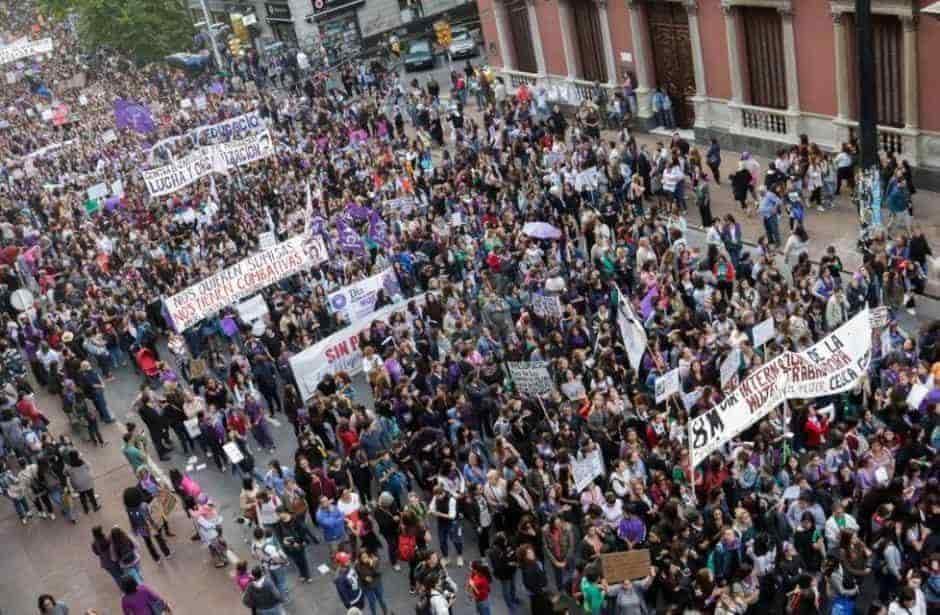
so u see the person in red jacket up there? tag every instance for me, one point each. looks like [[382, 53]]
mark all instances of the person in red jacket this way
[[478, 586], [815, 428]]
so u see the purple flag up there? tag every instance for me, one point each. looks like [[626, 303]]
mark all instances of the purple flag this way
[[648, 304], [378, 230], [217, 88], [349, 239], [129, 114], [358, 212]]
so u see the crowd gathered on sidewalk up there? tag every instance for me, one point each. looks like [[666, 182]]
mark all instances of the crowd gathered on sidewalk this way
[[514, 232]]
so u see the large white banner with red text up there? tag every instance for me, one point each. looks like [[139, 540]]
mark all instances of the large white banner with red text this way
[[831, 366]]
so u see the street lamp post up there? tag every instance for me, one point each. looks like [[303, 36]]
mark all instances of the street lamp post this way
[[868, 192], [208, 22]]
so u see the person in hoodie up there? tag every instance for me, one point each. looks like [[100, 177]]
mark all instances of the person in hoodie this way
[[82, 481]]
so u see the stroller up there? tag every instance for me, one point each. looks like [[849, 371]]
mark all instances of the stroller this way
[[147, 363]]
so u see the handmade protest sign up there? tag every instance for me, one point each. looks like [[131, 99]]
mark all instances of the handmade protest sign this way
[[763, 332], [531, 377], [631, 331], [244, 278], [357, 300], [24, 49], [831, 366], [546, 306], [252, 309], [338, 352], [626, 565], [586, 469], [233, 453], [729, 369], [667, 385]]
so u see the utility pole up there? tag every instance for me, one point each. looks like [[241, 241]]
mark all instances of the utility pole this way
[[868, 190], [867, 130], [215, 49]]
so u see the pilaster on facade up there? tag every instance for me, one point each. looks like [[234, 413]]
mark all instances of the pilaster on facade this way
[[568, 43], [609, 63], [501, 17], [536, 38], [641, 59]]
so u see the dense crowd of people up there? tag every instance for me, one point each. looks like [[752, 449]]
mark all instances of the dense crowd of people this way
[[434, 453]]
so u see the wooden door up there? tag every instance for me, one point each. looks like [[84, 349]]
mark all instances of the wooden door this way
[[590, 40], [672, 57], [521, 37]]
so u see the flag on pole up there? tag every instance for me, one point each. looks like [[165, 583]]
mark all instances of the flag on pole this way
[[212, 190]]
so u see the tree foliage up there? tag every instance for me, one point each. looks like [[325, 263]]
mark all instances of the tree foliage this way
[[144, 29]]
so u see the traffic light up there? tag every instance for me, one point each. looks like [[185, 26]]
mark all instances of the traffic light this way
[[442, 30]]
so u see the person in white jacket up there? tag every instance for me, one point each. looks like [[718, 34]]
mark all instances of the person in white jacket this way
[[838, 521]]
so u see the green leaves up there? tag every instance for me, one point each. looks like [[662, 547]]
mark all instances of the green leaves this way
[[144, 29]]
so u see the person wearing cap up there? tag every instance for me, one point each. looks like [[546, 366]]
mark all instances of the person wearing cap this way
[[347, 581]]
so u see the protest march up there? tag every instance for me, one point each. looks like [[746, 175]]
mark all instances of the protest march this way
[[282, 340]]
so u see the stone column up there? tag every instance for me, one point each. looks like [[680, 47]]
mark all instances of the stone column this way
[[843, 98], [536, 37], [734, 63], [566, 23], [698, 65], [911, 81], [641, 54], [608, 42], [502, 34]]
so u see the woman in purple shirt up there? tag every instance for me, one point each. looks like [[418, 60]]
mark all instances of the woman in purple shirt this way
[[141, 600]]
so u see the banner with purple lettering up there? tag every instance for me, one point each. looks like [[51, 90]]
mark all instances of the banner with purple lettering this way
[[349, 239]]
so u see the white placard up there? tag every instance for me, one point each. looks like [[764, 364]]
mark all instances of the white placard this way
[[531, 377], [201, 102], [82, 100], [117, 188], [729, 369], [879, 317], [586, 469], [98, 192], [546, 306], [244, 278], [267, 240], [233, 453], [252, 309], [831, 366], [108, 136], [917, 395], [186, 103], [763, 332], [667, 385], [192, 427]]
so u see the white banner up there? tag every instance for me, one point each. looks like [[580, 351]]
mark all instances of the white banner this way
[[339, 352], [244, 278], [231, 129], [356, 301], [631, 331], [831, 366], [586, 469], [531, 377], [204, 161], [179, 174], [18, 51]]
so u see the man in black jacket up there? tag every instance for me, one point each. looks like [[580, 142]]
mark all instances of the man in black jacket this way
[[261, 595]]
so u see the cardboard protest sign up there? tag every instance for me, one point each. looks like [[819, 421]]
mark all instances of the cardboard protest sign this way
[[626, 565], [233, 453], [586, 469], [531, 377], [879, 317], [192, 427], [729, 369], [244, 278], [831, 366]]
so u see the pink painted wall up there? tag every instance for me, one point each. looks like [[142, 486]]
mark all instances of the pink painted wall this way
[[711, 23], [490, 37], [928, 50], [815, 56], [621, 37], [550, 31]]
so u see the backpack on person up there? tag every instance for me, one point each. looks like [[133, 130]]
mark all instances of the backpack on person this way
[[407, 546]]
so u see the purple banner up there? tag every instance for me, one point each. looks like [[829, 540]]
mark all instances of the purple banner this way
[[349, 239]]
